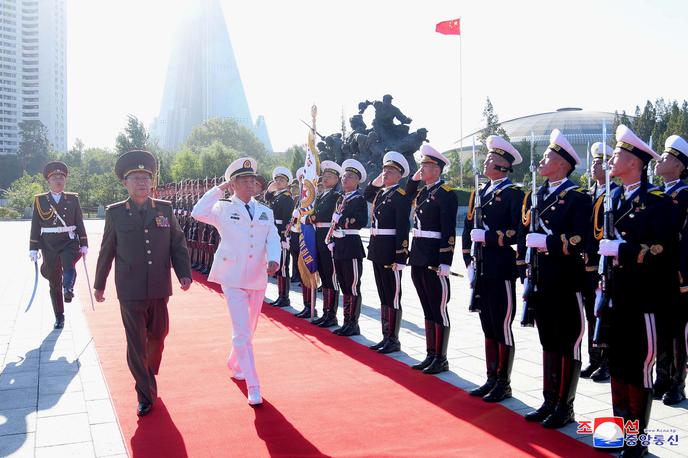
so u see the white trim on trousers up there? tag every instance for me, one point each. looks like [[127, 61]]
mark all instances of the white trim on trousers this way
[[397, 290], [508, 334], [581, 311], [443, 303], [649, 364]]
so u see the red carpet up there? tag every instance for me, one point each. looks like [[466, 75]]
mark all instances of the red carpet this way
[[324, 395]]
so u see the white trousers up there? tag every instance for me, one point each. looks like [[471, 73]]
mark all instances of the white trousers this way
[[244, 309]]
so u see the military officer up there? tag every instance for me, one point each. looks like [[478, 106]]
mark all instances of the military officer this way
[[642, 255], [344, 240], [57, 229], [559, 312], [294, 233], [500, 228], [143, 236], [672, 325], [432, 251], [324, 208], [249, 251], [597, 368], [388, 247], [280, 201]]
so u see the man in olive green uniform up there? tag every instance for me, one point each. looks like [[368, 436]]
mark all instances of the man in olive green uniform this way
[[144, 237], [57, 229]]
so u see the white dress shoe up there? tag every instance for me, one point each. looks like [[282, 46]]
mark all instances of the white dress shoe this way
[[254, 397]]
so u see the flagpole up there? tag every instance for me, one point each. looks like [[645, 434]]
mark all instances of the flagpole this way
[[460, 112]]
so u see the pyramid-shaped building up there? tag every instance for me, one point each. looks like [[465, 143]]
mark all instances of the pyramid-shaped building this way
[[203, 80]]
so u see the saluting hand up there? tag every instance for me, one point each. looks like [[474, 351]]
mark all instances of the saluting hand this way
[[225, 185], [99, 294], [185, 282], [272, 267], [416, 176], [377, 182]]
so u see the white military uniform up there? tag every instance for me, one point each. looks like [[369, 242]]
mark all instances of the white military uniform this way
[[248, 243]]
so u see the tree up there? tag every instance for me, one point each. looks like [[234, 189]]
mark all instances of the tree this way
[[645, 121], [215, 159], [186, 165], [34, 147], [73, 157], [228, 132], [492, 125], [9, 169], [134, 136], [298, 158], [21, 192]]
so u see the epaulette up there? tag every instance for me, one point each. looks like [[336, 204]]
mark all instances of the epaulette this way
[[162, 201], [581, 190], [514, 186], [226, 200], [41, 194], [115, 205], [447, 188], [401, 191], [657, 192], [71, 193]]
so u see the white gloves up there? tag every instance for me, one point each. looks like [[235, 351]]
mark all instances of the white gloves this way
[[285, 245], [470, 271], [443, 270], [536, 241], [478, 235], [330, 246], [335, 217], [295, 213], [609, 247], [33, 255], [83, 250], [398, 267]]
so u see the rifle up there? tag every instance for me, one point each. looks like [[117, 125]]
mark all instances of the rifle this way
[[603, 303], [530, 290], [475, 304]]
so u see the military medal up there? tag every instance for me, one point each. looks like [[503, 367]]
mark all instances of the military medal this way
[[162, 221]]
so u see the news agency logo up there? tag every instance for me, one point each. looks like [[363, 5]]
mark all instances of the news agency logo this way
[[608, 432], [614, 432]]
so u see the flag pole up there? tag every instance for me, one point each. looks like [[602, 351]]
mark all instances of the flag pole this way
[[314, 297], [460, 113]]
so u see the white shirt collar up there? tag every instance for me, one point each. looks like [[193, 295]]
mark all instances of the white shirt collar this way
[[56, 196], [630, 189], [348, 194]]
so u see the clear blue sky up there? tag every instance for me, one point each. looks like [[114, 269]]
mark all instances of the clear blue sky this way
[[528, 56]]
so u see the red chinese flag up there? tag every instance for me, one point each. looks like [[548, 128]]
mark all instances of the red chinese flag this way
[[452, 27]]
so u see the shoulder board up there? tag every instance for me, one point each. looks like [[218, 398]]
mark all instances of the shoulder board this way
[[581, 190], [71, 194], [162, 201], [226, 200], [288, 194], [514, 186], [115, 205], [41, 194], [446, 187], [401, 191], [657, 192]]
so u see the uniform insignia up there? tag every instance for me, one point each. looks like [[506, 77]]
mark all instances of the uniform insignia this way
[[247, 164], [446, 187], [656, 249], [401, 191], [263, 217], [162, 221], [451, 241], [657, 192], [510, 233], [141, 166], [576, 239], [404, 243]]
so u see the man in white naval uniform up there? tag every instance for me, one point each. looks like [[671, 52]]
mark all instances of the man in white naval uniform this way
[[248, 252]]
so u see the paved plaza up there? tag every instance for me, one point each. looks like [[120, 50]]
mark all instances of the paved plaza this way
[[54, 400]]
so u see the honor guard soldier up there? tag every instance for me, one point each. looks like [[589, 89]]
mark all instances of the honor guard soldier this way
[[388, 247], [500, 228], [325, 206], [597, 369], [672, 325], [642, 255], [432, 251], [57, 229], [344, 240], [293, 235], [564, 209], [144, 239], [295, 249], [280, 201]]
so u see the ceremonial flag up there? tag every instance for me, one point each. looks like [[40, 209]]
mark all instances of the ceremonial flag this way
[[451, 27], [308, 258]]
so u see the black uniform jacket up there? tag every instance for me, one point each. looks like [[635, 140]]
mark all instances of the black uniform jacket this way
[[679, 196], [391, 211], [143, 249], [354, 216], [434, 210], [592, 259], [282, 206], [325, 205], [501, 211], [565, 218]]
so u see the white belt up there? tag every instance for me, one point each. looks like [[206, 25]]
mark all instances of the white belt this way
[[278, 221], [339, 233], [427, 234], [321, 225], [294, 229], [376, 231], [57, 230]]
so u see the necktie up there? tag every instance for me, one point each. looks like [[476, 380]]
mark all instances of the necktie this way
[[248, 209]]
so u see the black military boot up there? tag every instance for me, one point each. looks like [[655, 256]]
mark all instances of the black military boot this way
[[283, 290], [330, 318], [602, 372], [676, 393], [306, 312], [502, 389], [439, 363], [353, 329], [551, 371], [56, 300], [392, 345], [68, 281], [621, 403], [59, 321], [346, 303], [641, 404], [563, 412], [663, 370], [384, 322], [491, 361], [594, 354], [326, 308], [429, 346]]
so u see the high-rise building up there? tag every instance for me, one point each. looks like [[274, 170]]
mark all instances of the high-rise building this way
[[33, 70], [203, 80]]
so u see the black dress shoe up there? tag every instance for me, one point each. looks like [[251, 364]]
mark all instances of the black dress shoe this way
[[143, 409], [68, 295], [59, 322], [675, 395], [601, 374]]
